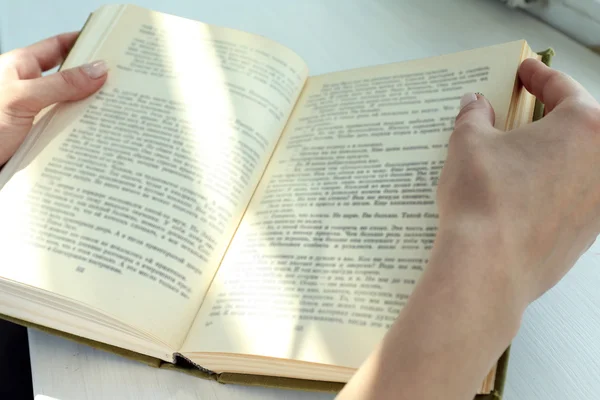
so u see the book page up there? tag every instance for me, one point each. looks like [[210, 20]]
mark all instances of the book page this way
[[127, 200], [341, 226]]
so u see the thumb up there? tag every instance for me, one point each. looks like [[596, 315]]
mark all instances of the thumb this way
[[33, 95], [476, 113]]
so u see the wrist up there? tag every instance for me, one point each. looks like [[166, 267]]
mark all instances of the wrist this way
[[474, 273], [480, 269], [464, 309]]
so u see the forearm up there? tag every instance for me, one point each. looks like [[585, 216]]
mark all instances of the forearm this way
[[458, 321]]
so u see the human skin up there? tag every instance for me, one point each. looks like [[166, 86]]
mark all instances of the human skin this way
[[517, 209], [24, 92]]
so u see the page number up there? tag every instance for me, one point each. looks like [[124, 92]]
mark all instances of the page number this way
[[80, 269]]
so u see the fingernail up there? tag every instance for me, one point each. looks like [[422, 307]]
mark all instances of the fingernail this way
[[467, 98], [95, 69]]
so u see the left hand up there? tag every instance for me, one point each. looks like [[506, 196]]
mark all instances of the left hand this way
[[24, 92]]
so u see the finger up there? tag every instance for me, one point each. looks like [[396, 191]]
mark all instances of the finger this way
[[33, 95], [52, 51], [550, 86], [476, 112]]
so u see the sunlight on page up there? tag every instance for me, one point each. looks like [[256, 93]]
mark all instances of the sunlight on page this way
[[189, 98], [268, 323], [143, 184], [200, 86], [214, 145], [19, 219]]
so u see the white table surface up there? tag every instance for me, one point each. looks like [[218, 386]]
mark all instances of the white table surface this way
[[557, 352]]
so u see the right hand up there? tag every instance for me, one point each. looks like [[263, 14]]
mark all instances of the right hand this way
[[530, 196]]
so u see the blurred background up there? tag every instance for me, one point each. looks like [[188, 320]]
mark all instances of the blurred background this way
[[579, 19]]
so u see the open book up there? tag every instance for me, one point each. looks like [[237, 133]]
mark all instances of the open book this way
[[214, 208]]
